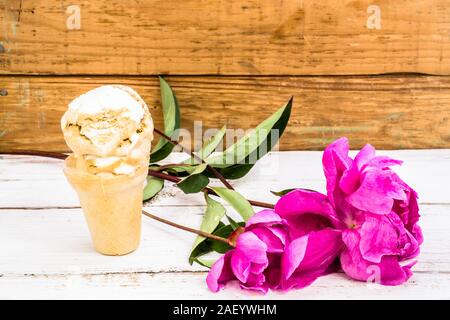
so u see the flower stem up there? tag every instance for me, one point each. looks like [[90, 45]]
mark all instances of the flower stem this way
[[196, 157], [174, 179], [55, 155], [179, 226]]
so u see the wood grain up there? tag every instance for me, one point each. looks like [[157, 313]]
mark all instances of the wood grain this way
[[225, 37], [58, 239], [185, 285], [46, 253], [34, 265], [388, 111]]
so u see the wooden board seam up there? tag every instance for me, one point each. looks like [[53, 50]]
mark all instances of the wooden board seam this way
[[236, 75], [152, 273], [150, 206]]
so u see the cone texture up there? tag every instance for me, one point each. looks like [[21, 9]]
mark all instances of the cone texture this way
[[112, 207]]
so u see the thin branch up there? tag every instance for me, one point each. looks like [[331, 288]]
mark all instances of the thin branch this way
[[164, 176], [174, 179], [55, 155], [179, 226], [196, 157]]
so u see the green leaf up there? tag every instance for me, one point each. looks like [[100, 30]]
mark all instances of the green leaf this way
[[236, 171], [171, 113], [233, 223], [205, 262], [196, 181], [211, 221], [209, 245], [154, 185], [209, 146], [201, 249], [282, 192], [193, 183], [286, 191], [224, 232], [182, 169], [236, 200], [212, 143], [233, 172], [257, 142]]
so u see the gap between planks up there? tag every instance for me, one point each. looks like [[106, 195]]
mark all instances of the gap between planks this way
[[162, 272], [168, 206], [215, 75]]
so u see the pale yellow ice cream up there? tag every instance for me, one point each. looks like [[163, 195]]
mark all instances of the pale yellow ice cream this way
[[109, 130]]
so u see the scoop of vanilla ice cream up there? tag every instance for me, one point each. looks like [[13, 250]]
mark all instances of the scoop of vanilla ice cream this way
[[109, 130]]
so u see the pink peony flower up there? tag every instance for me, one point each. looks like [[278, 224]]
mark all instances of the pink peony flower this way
[[367, 222], [379, 210], [256, 260], [282, 251], [315, 238]]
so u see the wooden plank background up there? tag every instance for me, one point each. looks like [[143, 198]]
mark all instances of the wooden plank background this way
[[235, 62], [390, 112], [226, 37]]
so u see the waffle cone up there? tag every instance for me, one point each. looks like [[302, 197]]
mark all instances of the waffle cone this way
[[112, 206]]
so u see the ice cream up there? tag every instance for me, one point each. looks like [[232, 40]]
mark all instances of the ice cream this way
[[109, 130]]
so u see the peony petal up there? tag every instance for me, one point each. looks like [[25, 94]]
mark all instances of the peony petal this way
[[306, 223], [366, 154], [377, 192], [281, 233], [249, 244], [407, 244], [249, 249], [417, 233], [349, 181], [293, 256], [314, 251], [273, 278], [273, 242], [240, 264], [258, 268], [266, 216], [387, 272], [220, 273], [379, 237], [411, 248], [382, 162], [273, 271], [392, 273], [256, 282], [323, 247], [335, 161], [300, 202], [413, 216], [413, 209], [302, 279]]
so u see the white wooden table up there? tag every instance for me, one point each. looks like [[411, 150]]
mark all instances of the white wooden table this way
[[45, 249]]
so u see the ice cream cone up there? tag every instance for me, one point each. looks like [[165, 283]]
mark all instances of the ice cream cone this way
[[112, 206]]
